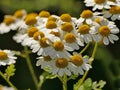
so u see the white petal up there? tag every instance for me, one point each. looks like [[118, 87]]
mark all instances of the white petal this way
[[114, 37], [105, 41]]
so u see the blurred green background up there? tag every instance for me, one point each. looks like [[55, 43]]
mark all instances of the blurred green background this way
[[107, 60]]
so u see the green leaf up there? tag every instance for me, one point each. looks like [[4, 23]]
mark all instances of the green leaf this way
[[10, 71], [99, 85], [88, 84]]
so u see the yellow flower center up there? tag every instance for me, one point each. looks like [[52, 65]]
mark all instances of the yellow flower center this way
[[61, 62], [31, 31], [65, 17], [97, 20], [43, 42], [115, 10], [31, 14], [68, 27], [58, 46], [37, 34], [112, 0], [30, 20], [51, 24], [87, 14], [19, 13], [104, 31], [77, 60], [50, 18], [70, 38], [55, 33], [9, 20], [99, 1], [3, 55], [45, 14], [84, 29], [47, 58]]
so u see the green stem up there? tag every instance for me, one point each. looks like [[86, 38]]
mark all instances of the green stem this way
[[8, 81], [85, 74], [31, 68], [64, 81], [84, 48]]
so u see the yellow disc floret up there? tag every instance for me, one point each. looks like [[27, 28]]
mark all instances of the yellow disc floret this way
[[104, 31], [45, 14], [58, 46], [77, 60], [70, 38], [65, 17], [43, 42], [3, 55], [47, 58], [84, 29], [87, 14], [37, 34], [50, 18], [9, 20], [61, 62], [57, 34], [19, 13], [30, 20], [67, 27], [115, 10], [31, 31], [51, 24], [99, 1]]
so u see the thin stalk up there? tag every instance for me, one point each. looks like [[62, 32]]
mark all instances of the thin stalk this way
[[85, 74], [31, 68], [7, 80], [63, 81], [85, 48]]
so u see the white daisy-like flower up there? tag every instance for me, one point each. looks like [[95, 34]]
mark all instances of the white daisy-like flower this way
[[79, 64], [106, 31], [99, 4], [20, 16], [60, 67], [87, 16], [42, 17], [30, 20], [84, 32], [72, 42], [44, 62], [8, 24], [7, 57], [6, 88], [113, 13]]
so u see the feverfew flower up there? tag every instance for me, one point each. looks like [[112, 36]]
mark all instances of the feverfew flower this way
[[87, 17], [113, 13], [98, 4], [106, 31], [8, 24], [60, 66], [44, 61], [7, 57], [79, 64]]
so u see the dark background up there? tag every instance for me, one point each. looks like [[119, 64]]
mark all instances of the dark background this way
[[107, 60]]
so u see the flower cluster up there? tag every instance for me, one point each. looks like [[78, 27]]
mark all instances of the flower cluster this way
[[56, 38]]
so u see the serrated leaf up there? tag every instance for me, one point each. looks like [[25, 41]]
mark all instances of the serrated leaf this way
[[99, 85], [10, 71]]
